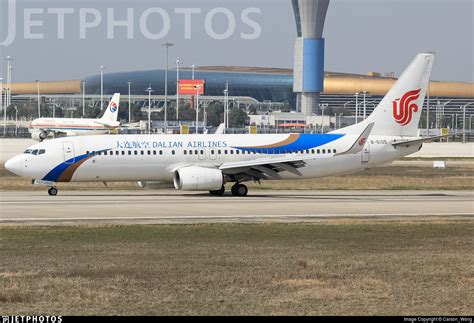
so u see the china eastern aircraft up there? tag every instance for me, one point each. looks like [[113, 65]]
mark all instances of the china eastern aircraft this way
[[209, 162], [41, 128]]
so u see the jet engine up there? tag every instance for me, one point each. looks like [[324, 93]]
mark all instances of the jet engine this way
[[39, 135], [198, 179]]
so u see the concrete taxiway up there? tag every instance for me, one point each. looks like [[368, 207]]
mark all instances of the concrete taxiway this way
[[164, 207]]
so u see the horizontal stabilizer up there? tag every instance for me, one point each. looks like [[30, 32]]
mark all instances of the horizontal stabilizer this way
[[422, 140]]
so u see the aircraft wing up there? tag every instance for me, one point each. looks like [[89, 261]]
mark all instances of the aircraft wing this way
[[264, 168]]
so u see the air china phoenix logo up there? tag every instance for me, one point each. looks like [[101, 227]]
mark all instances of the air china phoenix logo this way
[[404, 108], [113, 107]]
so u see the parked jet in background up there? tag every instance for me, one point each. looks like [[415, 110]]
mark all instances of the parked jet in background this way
[[41, 128], [208, 162]]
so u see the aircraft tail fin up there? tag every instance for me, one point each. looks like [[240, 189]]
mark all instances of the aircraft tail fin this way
[[111, 113], [399, 112]]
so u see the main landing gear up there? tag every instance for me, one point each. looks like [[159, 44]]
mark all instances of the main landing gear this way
[[237, 190], [53, 191]]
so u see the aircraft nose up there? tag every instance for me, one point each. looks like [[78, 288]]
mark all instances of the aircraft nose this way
[[16, 165]]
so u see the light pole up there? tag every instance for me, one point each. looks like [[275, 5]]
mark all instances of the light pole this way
[[167, 46], [340, 115], [226, 106], [39, 102], [149, 90], [8, 93], [441, 113], [178, 62], [129, 102], [198, 88], [102, 67], [193, 66], [364, 93], [357, 107], [1, 108], [83, 99]]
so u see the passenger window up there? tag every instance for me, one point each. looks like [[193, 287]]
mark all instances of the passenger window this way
[[212, 151], [312, 151], [324, 151], [172, 152], [190, 152], [154, 152], [231, 151], [319, 151], [161, 152], [237, 152], [185, 152], [219, 152], [99, 153], [135, 152], [123, 152], [87, 152], [334, 150], [307, 151], [149, 152], [142, 152], [129, 152], [202, 152], [225, 152]]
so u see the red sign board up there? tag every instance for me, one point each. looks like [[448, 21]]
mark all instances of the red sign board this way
[[191, 87]]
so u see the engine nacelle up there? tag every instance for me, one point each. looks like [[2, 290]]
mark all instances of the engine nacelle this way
[[198, 179], [39, 135]]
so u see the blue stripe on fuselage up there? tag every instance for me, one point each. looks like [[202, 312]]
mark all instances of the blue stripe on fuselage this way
[[57, 171], [304, 142]]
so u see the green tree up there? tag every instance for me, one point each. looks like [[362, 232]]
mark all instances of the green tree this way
[[215, 114], [237, 118]]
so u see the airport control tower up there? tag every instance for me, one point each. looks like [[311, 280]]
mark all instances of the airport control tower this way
[[309, 53]]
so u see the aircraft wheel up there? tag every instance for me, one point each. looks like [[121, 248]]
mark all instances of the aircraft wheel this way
[[239, 190], [219, 192], [53, 191]]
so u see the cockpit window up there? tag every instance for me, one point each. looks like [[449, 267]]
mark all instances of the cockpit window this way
[[35, 151]]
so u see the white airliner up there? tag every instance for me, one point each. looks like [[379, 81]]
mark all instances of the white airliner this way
[[41, 128], [208, 162]]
